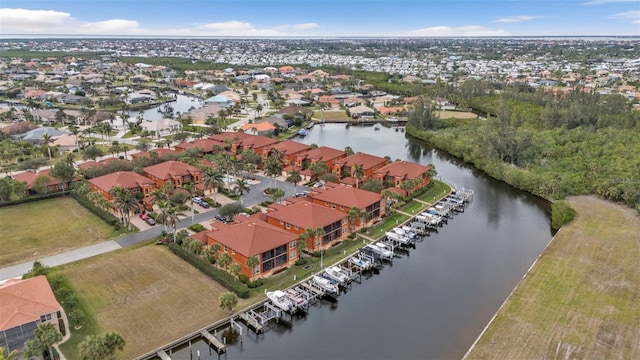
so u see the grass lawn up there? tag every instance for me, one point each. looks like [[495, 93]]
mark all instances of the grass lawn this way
[[38, 229], [456, 115], [339, 115], [413, 207], [387, 224], [438, 190], [580, 300], [146, 294]]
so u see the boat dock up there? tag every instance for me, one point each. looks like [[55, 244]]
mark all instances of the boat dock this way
[[213, 341], [163, 355], [251, 322]]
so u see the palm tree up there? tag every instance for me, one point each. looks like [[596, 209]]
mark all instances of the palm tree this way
[[272, 168], [75, 131], [213, 179], [358, 172], [320, 233], [348, 150], [125, 202], [277, 194], [46, 140], [353, 214], [11, 356], [191, 188], [294, 178], [320, 168], [252, 262], [242, 187], [224, 260], [172, 219]]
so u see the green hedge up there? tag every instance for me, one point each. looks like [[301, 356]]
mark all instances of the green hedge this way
[[101, 213], [197, 227], [224, 278], [32, 198]]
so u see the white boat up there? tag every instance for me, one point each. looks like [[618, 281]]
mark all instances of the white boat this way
[[335, 273], [398, 238], [376, 127], [296, 298], [325, 284], [362, 263], [280, 299], [409, 231], [384, 253]]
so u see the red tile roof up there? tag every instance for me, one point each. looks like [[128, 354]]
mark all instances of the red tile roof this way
[[24, 301], [402, 169], [323, 153], [229, 135], [162, 152], [29, 177], [252, 237], [345, 196], [305, 215], [207, 145], [288, 147], [124, 179], [169, 169], [367, 161]]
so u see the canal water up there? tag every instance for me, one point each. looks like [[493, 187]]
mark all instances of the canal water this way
[[183, 104], [430, 304]]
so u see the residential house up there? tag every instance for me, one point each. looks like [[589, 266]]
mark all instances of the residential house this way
[[274, 247], [396, 173], [207, 146], [175, 172], [219, 100], [360, 111], [52, 185], [159, 152], [329, 101], [24, 305], [289, 150], [251, 142], [343, 198], [263, 128], [368, 163], [323, 153], [130, 180], [296, 218]]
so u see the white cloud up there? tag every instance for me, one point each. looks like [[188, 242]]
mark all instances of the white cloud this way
[[23, 20], [462, 31], [303, 26], [232, 25], [514, 19], [634, 15], [601, 2], [110, 27]]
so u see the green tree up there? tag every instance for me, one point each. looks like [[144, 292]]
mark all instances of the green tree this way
[[191, 189], [235, 269], [47, 335], [125, 202], [277, 194], [91, 152], [10, 356], [561, 214], [47, 140], [294, 178], [353, 214], [172, 219], [242, 187], [32, 348], [224, 260], [64, 172], [99, 347], [357, 171], [348, 150], [213, 179], [228, 301], [252, 262], [41, 184], [272, 168]]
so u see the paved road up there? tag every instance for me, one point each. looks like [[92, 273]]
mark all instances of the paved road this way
[[255, 196]]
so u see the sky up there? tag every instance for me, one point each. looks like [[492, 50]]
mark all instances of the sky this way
[[320, 18]]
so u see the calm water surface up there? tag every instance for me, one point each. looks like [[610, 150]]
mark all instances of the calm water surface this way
[[432, 303]]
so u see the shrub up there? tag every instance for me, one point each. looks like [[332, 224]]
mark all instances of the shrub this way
[[222, 277], [301, 261], [243, 278], [561, 213], [364, 230], [254, 284], [197, 227], [61, 327], [32, 198], [211, 202], [351, 236], [108, 217]]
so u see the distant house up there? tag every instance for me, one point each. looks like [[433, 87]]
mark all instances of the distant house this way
[[262, 128], [207, 146], [323, 153], [35, 136], [329, 101], [398, 172], [159, 152], [298, 217], [361, 110], [30, 177], [24, 305], [130, 180], [175, 172], [289, 150], [219, 100], [248, 142], [275, 248]]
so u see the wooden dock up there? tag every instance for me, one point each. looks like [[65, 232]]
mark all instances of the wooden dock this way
[[163, 355], [213, 341], [251, 322], [313, 289]]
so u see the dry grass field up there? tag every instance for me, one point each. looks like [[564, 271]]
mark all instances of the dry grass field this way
[[455, 115], [146, 294], [582, 298], [38, 229], [331, 115]]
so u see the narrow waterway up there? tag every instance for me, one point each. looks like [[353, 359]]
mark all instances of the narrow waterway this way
[[431, 303]]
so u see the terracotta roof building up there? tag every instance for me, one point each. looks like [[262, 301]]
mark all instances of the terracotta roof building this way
[[274, 247], [369, 164], [159, 152], [323, 153], [343, 198], [125, 179], [30, 177], [176, 172], [298, 217], [399, 172], [207, 146], [25, 304], [288, 149]]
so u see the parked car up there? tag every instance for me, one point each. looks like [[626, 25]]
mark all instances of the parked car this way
[[150, 221], [144, 216], [204, 204], [198, 200], [221, 218]]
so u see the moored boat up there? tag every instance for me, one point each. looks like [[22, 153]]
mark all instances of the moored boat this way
[[325, 284], [335, 273], [280, 299]]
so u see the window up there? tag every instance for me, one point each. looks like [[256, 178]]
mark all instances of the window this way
[[292, 244], [281, 222], [233, 252], [333, 206], [292, 254], [296, 227], [225, 248], [341, 207], [344, 221], [43, 318], [326, 203], [288, 226], [48, 316]]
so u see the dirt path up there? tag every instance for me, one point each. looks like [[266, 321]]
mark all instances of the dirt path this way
[[582, 298]]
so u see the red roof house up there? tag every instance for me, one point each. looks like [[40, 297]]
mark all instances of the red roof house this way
[[177, 172], [344, 198], [124, 179], [369, 164]]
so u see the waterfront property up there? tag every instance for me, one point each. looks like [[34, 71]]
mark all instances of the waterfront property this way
[[346, 167], [176, 172], [288, 150], [404, 172], [344, 198], [24, 305], [274, 247], [323, 154], [206, 146]]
